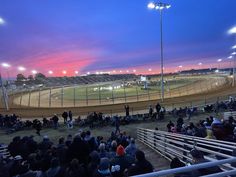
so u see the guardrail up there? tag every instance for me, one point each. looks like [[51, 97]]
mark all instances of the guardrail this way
[[195, 167], [228, 114], [170, 145]]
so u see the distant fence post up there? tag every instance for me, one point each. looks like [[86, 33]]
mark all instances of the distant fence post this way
[[12, 100], [137, 93], [124, 92], [39, 98], [148, 95], [112, 95], [50, 97], [29, 98], [86, 95], [99, 94], [179, 91], [168, 87], [200, 86], [62, 95], [20, 99], [74, 96]]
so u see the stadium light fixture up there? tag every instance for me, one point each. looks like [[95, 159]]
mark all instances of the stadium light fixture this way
[[120, 71], [180, 66], [234, 53], [34, 72], [2, 21], [232, 30], [64, 72], [127, 71], [230, 57], [21, 68], [234, 47], [150, 69], [219, 60], [6, 65], [200, 64], [76, 72], [151, 5], [134, 70], [88, 73], [50, 72], [160, 6]]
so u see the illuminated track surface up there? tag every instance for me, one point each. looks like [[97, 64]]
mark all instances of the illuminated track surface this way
[[205, 90]]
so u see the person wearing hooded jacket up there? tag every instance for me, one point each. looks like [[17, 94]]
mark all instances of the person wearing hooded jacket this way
[[121, 160], [141, 166]]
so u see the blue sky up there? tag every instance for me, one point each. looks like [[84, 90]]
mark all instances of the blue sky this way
[[102, 35]]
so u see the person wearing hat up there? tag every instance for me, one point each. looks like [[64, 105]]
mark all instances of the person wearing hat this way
[[141, 166], [103, 168], [218, 129], [198, 157], [121, 159]]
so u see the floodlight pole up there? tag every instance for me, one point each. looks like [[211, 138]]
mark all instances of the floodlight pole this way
[[234, 63], [162, 73], [160, 6]]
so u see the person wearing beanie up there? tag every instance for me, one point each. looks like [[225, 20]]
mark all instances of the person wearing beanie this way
[[121, 159], [141, 166], [103, 168], [218, 130], [120, 151]]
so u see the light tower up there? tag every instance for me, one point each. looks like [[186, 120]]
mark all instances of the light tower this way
[[233, 32], [160, 6]]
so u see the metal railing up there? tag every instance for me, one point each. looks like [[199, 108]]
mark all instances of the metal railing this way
[[195, 167], [171, 145]]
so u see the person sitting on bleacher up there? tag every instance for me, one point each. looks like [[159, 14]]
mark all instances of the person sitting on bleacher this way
[[176, 163], [141, 166], [198, 157], [122, 160], [131, 148]]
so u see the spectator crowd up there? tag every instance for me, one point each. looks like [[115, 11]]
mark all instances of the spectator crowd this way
[[81, 155]]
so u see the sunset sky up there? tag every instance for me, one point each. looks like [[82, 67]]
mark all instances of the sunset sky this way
[[116, 35]]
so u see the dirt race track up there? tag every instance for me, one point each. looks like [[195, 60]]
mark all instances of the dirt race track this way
[[198, 93]]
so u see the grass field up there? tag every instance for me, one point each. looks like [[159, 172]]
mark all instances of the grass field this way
[[105, 92]]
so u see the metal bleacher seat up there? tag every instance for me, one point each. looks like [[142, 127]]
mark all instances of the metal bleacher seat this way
[[228, 114], [4, 151]]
